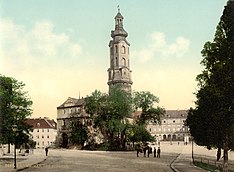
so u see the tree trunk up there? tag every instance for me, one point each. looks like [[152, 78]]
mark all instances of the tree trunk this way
[[218, 153], [9, 148], [123, 139], [225, 155]]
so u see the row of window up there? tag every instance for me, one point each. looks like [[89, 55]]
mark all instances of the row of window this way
[[72, 110], [43, 143], [123, 62], [174, 121], [168, 129], [43, 130], [42, 137], [123, 49]]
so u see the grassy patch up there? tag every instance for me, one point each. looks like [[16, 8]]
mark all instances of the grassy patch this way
[[208, 167], [205, 166]]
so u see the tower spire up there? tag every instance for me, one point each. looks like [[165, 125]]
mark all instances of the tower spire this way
[[118, 8]]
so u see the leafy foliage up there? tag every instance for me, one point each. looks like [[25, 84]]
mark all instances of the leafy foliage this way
[[15, 108], [145, 101], [111, 114], [79, 132], [140, 134], [211, 122]]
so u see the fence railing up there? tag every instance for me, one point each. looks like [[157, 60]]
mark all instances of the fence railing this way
[[212, 163]]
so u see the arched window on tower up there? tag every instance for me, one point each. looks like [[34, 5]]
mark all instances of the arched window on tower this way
[[116, 61], [116, 48], [123, 50], [112, 62], [123, 62]]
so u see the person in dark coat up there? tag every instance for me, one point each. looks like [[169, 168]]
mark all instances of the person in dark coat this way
[[139, 150], [149, 150], [154, 152], [158, 152], [46, 151], [144, 150]]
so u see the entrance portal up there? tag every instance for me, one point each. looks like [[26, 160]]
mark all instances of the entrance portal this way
[[65, 140]]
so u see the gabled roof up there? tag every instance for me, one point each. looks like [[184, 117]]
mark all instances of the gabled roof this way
[[41, 123], [71, 102]]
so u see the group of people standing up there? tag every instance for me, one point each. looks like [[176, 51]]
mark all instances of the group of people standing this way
[[149, 151]]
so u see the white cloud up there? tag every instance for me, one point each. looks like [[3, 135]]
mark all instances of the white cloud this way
[[44, 60], [158, 47], [38, 46]]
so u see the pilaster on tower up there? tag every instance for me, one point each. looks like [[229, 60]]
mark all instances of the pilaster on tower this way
[[119, 72]]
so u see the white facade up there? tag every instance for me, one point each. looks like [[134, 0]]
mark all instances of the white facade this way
[[172, 127], [44, 137], [44, 131]]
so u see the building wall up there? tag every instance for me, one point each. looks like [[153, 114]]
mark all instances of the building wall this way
[[44, 136], [172, 128]]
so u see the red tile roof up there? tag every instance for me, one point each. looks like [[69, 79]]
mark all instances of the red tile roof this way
[[41, 123]]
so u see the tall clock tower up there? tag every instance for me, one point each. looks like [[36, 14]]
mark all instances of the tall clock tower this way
[[119, 72]]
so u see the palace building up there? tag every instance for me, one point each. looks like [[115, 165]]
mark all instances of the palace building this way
[[172, 127], [119, 73]]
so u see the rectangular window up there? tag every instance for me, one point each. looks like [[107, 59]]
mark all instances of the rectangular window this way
[[48, 130], [42, 136], [48, 136], [42, 130], [37, 130]]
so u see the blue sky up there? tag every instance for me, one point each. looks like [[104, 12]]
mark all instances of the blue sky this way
[[59, 48]]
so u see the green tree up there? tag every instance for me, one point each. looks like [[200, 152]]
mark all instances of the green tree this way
[[211, 122], [138, 133], [145, 101], [15, 108], [79, 132], [110, 113]]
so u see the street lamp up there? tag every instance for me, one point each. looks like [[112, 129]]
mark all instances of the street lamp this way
[[14, 128], [192, 150]]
